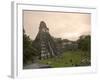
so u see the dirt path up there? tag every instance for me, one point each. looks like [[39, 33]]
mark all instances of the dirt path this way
[[36, 66]]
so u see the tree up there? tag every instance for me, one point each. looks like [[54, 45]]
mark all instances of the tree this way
[[29, 52], [84, 43]]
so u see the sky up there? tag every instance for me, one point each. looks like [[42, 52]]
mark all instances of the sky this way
[[61, 24]]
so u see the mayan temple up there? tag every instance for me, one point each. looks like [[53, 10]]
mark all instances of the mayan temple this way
[[45, 42]]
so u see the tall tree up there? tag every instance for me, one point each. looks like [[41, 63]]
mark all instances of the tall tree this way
[[85, 43], [29, 52]]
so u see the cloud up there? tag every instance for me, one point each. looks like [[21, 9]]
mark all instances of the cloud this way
[[63, 25], [70, 35]]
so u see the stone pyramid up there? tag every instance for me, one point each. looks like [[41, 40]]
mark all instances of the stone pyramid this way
[[45, 42]]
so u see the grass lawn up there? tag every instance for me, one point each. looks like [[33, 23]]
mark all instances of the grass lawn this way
[[68, 59]]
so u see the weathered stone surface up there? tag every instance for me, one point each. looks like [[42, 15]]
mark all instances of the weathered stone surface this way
[[45, 43]]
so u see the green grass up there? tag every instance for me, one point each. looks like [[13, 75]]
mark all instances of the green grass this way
[[68, 59]]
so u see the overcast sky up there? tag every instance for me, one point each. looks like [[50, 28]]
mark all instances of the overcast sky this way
[[61, 25]]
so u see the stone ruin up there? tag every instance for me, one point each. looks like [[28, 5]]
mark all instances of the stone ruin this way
[[45, 43]]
